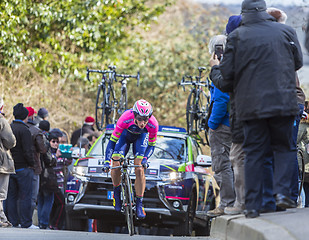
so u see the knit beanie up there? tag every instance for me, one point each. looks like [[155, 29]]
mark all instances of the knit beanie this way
[[20, 112], [42, 113], [233, 23], [44, 125]]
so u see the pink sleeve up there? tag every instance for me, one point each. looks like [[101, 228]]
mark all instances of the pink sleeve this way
[[153, 128], [123, 123]]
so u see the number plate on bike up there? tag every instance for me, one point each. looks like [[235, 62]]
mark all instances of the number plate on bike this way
[[110, 195]]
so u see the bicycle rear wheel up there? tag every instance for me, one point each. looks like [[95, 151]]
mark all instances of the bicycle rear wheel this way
[[123, 103], [128, 206], [203, 108], [100, 107], [191, 113]]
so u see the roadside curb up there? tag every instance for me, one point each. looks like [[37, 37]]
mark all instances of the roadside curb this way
[[291, 224]]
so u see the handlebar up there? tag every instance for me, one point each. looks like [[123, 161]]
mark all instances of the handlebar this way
[[112, 69], [124, 76]]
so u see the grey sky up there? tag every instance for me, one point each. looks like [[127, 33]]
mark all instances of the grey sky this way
[[268, 2]]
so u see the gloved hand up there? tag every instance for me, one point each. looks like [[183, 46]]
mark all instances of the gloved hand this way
[[106, 166], [144, 163]]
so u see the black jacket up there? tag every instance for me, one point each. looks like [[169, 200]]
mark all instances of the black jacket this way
[[235, 125], [259, 64], [22, 152]]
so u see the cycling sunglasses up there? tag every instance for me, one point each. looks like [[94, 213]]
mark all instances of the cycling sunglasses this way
[[140, 118]]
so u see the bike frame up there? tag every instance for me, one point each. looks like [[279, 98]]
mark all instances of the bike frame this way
[[128, 203]]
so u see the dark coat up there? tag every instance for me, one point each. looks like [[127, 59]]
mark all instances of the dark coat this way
[[259, 64], [38, 146], [235, 124], [22, 153], [77, 133]]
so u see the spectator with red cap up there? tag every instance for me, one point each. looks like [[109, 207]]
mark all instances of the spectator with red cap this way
[[86, 128], [38, 148]]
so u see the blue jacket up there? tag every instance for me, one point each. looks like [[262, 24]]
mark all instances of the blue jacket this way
[[219, 114]]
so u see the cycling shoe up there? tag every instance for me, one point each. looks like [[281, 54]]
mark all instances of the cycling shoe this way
[[117, 200], [140, 212]]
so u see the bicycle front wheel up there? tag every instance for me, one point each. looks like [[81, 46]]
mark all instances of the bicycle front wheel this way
[[128, 206], [191, 113], [123, 103], [100, 108], [111, 106]]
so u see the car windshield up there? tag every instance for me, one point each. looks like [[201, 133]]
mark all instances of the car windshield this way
[[167, 147]]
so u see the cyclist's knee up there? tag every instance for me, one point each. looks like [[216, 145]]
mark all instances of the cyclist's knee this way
[[139, 172], [115, 161]]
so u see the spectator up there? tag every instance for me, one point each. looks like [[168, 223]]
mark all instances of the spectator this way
[[48, 183], [237, 154], [38, 147], [42, 115], [220, 141], [7, 141], [302, 142], [57, 216], [86, 128], [20, 185], [265, 98], [281, 17]]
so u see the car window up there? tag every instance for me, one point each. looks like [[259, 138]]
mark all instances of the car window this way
[[99, 148], [169, 148]]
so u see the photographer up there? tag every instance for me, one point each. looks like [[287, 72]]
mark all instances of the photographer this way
[[220, 136], [237, 155]]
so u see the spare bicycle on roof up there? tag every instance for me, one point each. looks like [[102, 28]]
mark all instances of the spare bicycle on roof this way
[[108, 106]]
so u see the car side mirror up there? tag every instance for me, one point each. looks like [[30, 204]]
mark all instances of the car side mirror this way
[[203, 160], [78, 152]]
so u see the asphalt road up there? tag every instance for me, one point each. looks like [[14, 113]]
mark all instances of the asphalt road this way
[[39, 234]]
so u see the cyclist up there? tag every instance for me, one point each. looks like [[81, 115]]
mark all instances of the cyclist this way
[[139, 127]]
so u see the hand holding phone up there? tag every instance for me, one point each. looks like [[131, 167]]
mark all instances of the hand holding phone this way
[[219, 51]]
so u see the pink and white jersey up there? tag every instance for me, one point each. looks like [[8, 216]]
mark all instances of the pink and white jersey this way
[[126, 121]]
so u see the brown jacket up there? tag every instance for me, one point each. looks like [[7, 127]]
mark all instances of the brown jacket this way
[[7, 141], [38, 146]]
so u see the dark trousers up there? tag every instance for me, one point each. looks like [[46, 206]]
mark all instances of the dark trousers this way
[[295, 173], [45, 204], [57, 215], [19, 198], [259, 134]]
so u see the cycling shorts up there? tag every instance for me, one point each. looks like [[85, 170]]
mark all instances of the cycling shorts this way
[[139, 141]]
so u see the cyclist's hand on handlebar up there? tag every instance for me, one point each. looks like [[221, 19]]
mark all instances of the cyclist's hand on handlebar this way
[[144, 163], [106, 167]]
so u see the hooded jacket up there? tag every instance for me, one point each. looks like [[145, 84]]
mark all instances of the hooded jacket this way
[[7, 141], [259, 65]]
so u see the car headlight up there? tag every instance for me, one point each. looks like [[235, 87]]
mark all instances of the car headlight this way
[[171, 176], [80, 170]]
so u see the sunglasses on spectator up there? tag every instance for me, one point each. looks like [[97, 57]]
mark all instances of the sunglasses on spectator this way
[[140, 118], [55, 141]]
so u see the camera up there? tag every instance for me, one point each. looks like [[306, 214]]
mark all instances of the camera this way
[[219, 51]]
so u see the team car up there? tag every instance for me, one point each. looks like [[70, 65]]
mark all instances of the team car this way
[[180, 188]]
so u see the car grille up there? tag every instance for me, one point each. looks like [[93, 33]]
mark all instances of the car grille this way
[[96, 193]]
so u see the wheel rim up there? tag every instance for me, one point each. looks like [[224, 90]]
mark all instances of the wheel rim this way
[[100, 106]]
